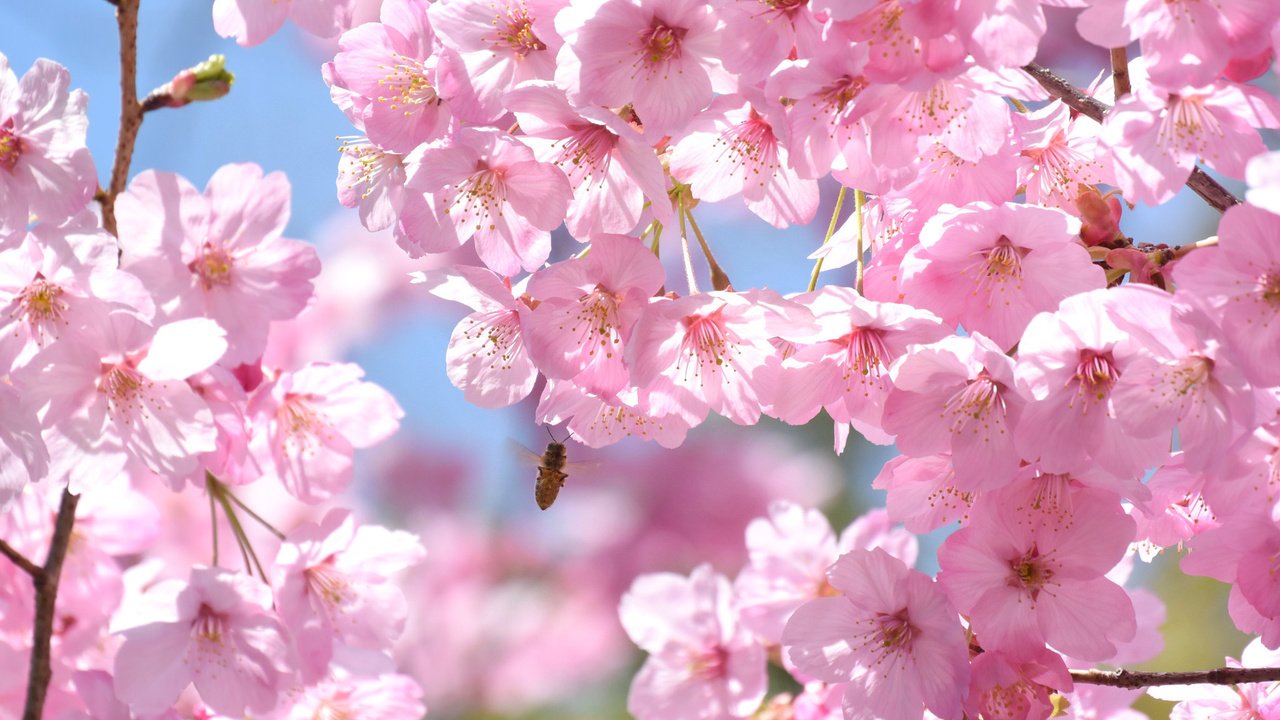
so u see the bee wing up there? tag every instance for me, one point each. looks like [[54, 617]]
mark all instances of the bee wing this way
[[524, 455]]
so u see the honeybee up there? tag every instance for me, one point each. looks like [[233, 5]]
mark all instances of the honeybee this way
[[551, 470]]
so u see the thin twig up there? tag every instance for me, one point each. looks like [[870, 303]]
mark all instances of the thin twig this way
[[1120, 72], [1218, 676], [1206, 187], [860, 201], [46, 584], [213, 522], [689, 277], [19, 559], [130, 110]]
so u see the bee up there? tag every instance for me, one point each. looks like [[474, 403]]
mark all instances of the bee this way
[[551, 470]]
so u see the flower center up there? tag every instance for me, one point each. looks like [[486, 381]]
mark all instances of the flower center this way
[[366, 164], [327, 583], [1096, 374], [709, 664], [11, 146], [974, 401], [706, 343], [660, 42], [840, 94], [866, 353], [503, 341], [408, 85], [124, 387], [42, 304], [1031, 572], [895, 631], [518, 34], [209, 626], [302, 427], [596, 321], [1269, 287], [213, 266], [751, 143], [587, 153]]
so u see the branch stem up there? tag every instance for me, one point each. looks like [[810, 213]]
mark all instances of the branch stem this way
[[19, 559], [1218, 676], [1206, 187], [46, 583], [130, 110], [1120, 72]]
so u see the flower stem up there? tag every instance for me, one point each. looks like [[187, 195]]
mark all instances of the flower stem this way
[[831, 230], [719, 278], [1218, 676], [859, 201], [1120, 72]]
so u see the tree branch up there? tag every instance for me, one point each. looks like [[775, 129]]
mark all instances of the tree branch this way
[[46, 583], [1206, 187], [1218, 676], [19, 559], [130, 110]]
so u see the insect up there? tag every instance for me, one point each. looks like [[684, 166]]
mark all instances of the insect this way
[[551, 465]]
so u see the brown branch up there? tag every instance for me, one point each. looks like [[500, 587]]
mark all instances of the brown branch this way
[[1206, 187], [130, 110], [1218, 676], [46, 583], [19, 559], [1120, 72]]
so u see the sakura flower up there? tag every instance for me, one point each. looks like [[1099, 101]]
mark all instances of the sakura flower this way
[[1026, 577], [1184, 42], [586, 310], [610, 167], [501, 45], [60, 283], [599, 421], [790, 551], [251, 22], [386, 697], [122, 394], [391, 69], [922, 492], [1069, 362], [1001, 34], [704, 352], [308, 423], [96, 689], [1240, 280], [47, 170], [958, 395], [218, 634], [1156, 137], [757, 38], [486, 358], [492, 190], [825, 112], [843, 364], [218, 254], [993, 268], [1061, 153], [659, 56], [892, 638], [732, 148], [332, 585], [25, 457], [372, 180], [905, 40], [701, 662], [1017, 690]]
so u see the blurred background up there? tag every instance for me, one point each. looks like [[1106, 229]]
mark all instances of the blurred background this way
[[513, 613]]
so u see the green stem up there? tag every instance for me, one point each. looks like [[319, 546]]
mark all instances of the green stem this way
[[831, 230], [859, 200], [719, 278]]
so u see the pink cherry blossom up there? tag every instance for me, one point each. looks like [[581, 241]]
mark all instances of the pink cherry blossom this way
[[251, 22], [308, 423], [1025, 576], [922, 492], [905, 40], [599, 421], [1155, 137], [1184, 42], [610, 167], [492, 190], [660, 56], [825, 113], [1001, 34], [701, 663], [486, 358], [790, 552], [892, 638], [371, 179], [218, 254], [1068, 363], [1060, 152], [586, 310], [757, 38], [993, 268], [733, 148], [1017, 690], [704, 352], [502, 44], [122, 394], [332, 585], [386, 697], [1240, 280], [219, 634], [958, 395], [391, 69], [24, 456], [47, 170]]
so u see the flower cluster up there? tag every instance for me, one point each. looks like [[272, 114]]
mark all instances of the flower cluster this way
[[1061, 389], [135, 361]]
